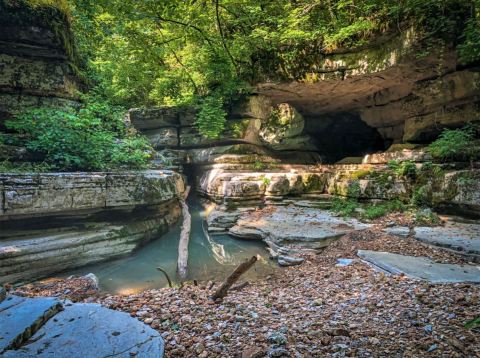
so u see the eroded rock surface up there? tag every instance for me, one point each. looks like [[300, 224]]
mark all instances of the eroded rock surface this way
[[52, 222], [422, 267], [89, 330], [45, 327], [21, 317], [293, 227], [461, 237]]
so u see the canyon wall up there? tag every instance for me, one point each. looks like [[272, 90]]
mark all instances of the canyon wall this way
[[51, 222]]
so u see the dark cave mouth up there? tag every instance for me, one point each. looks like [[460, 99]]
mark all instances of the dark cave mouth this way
[[343, 134]]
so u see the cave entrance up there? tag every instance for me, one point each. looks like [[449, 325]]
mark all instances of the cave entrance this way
[[343, 134]]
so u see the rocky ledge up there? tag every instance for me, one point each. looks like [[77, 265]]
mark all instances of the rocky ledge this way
[[55, 221]]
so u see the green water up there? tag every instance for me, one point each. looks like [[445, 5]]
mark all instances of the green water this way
[[211, 257]]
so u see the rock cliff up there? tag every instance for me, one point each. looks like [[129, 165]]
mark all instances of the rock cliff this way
[[37, 58], [53, 222]]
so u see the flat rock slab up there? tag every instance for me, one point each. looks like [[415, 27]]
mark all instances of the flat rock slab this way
[[90, 330], [455, 236], [21, 317], [402, 231], [421, 267], [294, 224]]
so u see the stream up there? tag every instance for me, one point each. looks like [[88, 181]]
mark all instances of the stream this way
[[211, 257]]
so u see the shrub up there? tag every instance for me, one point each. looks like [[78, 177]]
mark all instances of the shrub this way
[[211, 116], [406, 168], [92, 138], [456, 144], [420, 197], [258, 165], [345, 207], [427, 217], [376, 211]]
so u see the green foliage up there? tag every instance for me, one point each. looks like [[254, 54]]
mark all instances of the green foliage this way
[[344, 207], [379, 210], [456, 144], [420, 197], [266, 181], [211, 117], [9, 167], [354, 190], [474, 323], [258, 165], [405, 168], [205, 52], [469, 49], [426, 217], [92, 138]]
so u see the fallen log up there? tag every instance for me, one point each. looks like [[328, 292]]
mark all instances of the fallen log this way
[[182, 263], [222, 291], [240, 286]]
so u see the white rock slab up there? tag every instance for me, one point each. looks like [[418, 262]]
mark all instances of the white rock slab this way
[[90, 330], [421, 267]]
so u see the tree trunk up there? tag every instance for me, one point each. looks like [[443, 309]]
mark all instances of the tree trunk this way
[[221, 292], [182, 264]]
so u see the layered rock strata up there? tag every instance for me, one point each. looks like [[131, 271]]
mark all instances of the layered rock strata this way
[[53, 222], [37, 58]]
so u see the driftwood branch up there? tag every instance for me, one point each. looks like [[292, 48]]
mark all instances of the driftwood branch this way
[[221, 292], [240, 286], [166, 275], [182, 264]]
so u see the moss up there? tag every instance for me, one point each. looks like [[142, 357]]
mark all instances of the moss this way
[[314, 182], [49, 14], [360, 174], [238, 128], [353, 190]]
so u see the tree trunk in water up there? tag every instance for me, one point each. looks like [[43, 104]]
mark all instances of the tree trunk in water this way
[[182, 264], [221, 292]]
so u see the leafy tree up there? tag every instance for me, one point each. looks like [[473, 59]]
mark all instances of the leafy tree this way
[[91, 138]]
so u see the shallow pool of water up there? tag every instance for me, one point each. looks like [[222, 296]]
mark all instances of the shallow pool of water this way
[[211, 257]]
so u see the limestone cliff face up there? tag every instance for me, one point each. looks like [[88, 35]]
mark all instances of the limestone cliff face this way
[[56, 221], [37, 58], [395, 87]]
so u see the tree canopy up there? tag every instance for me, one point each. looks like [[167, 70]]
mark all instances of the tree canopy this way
[[208, 52]]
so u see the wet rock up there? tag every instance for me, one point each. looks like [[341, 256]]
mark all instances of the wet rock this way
[[344, 262]]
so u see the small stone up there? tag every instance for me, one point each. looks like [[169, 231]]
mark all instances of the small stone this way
[[277, 352], [240, 319], [253, 352], [432, 348], [277, 338], [428, 329]]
